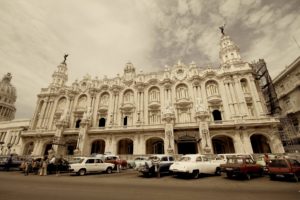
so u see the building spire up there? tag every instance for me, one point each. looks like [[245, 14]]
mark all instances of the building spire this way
[[229, 51], [60, 76]]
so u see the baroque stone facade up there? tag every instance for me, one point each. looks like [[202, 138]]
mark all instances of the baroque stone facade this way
[[182, 109]]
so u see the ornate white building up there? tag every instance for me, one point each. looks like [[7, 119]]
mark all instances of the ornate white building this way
[[182, 109]]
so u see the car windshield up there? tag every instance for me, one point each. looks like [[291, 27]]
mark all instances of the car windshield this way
[[185, 158], [278, 163], [235, 160], [76, 160]]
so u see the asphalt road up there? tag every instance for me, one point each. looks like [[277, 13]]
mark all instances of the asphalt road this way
[[129, 185]]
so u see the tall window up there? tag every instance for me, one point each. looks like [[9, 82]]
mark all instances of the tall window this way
[[102, 122], [128, 97], [154, 94], [125, 121], [244, 85], [181, 91], [212, 88], [104, 99], [217, 115]]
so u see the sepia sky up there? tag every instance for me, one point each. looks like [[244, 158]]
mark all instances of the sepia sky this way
[[100, 36]]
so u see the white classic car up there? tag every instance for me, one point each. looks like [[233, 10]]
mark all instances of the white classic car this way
[[83, 165], [195, 164]]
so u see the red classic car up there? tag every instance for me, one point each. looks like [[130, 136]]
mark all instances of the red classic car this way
[[241, 166], [110, 158], [285, 168]]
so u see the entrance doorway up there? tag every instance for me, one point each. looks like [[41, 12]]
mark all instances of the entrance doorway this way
[[260, 144], [187, 145], [222, 144]]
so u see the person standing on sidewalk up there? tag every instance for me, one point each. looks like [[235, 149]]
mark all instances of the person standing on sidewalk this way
[[44, 167]]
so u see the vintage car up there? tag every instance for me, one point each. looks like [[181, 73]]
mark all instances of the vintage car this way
[[195, 164], [136, 162], [83, 165], [114, 159], [223, 158], [10, 162], [156, 164], [241, 166], [285, 168]]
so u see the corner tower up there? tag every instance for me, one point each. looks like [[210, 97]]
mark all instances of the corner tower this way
[[229, 51], [8, 98], [60, 76]]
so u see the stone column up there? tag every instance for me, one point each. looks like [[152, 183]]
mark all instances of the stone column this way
[[241, 97], [82, 148], [234, 97], [41, 114], [257, 101], [205, 145], [169, 145]]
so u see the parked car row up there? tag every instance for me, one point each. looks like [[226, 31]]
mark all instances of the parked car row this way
[[233, 165]]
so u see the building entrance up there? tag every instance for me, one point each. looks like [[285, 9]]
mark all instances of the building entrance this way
[[187, 145]]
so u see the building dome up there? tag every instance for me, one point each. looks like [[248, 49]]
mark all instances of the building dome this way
[[8, 96]]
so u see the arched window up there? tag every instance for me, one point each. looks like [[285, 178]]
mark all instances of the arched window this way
[[82, 101], [212, 88], [154, 94], [217, 115], [61, 105], [181, 91], [104, 99], [77, 125], [102, 122], [128, 96]]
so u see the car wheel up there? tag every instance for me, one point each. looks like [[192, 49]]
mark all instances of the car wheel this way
[[229, 174], [296, 178], [81, 172], [195, 174], [109, 170], [218, 171], [248, 176]]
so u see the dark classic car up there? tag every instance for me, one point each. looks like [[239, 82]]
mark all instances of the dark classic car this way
[[156, 164], [284, 168], [10, 162], [241, 166]]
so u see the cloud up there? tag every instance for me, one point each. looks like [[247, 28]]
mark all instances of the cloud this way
[[101, 36]]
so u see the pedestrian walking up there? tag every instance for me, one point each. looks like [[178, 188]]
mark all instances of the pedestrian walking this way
[[8, 163], [44, 166], [27, 165]]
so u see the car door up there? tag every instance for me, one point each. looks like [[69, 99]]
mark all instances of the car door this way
[[199, 164], [90, 165], [207, 166], [99, 165], [164, 164]]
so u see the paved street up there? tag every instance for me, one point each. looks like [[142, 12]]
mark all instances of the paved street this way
[[129, 185]]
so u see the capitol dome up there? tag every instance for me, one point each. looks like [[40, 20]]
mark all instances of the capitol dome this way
[[8, 98]]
